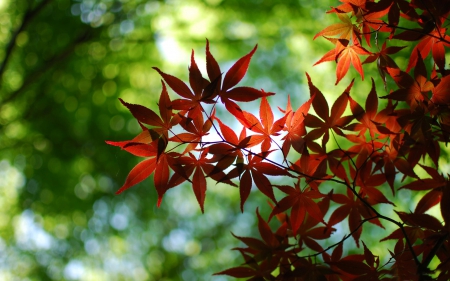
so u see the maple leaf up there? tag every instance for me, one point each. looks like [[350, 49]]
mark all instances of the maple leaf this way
[[301, 203], [369, 184], [195, 130], [370, 20], [139, 173], [311, 167], [363, 150], [414, 91], [395, 6], [345, 54], [309, 232], [332, 259], [195, 170], [228, 93], [345, 30], [197, 167], [441, 92], [424, 221], [390, 161], [354, 209], [354, 265], [307, 269], [329, 121], [264, 129], [295, 127], [147, 116], [255, 171], [190, 101], [206, 91], [226, 153], [162, 174], [445, 204], [404, 267], [435, 185], [262, 256], [369, 119], [433, 40], [145, 144], [384, 61], [354, 6], [349, 55]]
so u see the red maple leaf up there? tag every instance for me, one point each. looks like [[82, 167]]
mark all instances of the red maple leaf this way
[[301, 203], [162, 124], [384, 61], [262, 257], [295, 127], [369, 119], [354, 209], [255, 171], [227, 91], [264, 129], [414, 91], [333, 121]]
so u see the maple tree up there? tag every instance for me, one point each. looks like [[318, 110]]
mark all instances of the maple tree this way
[[375, 148]]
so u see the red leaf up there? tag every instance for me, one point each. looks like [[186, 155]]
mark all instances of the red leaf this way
[[161, 177], [263, 184], [370, 259], [139, 173], [337, 252], [141, 149], [349, 55], [265, 231], [199, 186], [212, 67], [353, 267], [228, 134], [441, 93], [237, 71], [143, 114], [196, 80], [176, 84], [428, 200], [245, 94], [245, 187], [421, 220], [165, 105], [319, 103]]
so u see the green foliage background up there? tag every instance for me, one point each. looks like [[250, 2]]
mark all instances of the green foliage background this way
[[67, 63]]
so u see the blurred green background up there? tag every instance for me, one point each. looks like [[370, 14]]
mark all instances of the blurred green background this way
[[64, 66]]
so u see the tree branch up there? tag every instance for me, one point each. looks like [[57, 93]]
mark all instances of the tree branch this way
[[47, 65], [28, 16]]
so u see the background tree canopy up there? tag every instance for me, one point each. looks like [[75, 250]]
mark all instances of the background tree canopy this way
[[64, 64]]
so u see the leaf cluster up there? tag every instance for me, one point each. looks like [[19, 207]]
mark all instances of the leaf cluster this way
[[387, 145]]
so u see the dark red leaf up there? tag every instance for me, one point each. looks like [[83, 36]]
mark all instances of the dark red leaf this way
[[176, 84], [143, 114], [212, 67], [237, 71], [238, 272], [245, 94], [353, 267]]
